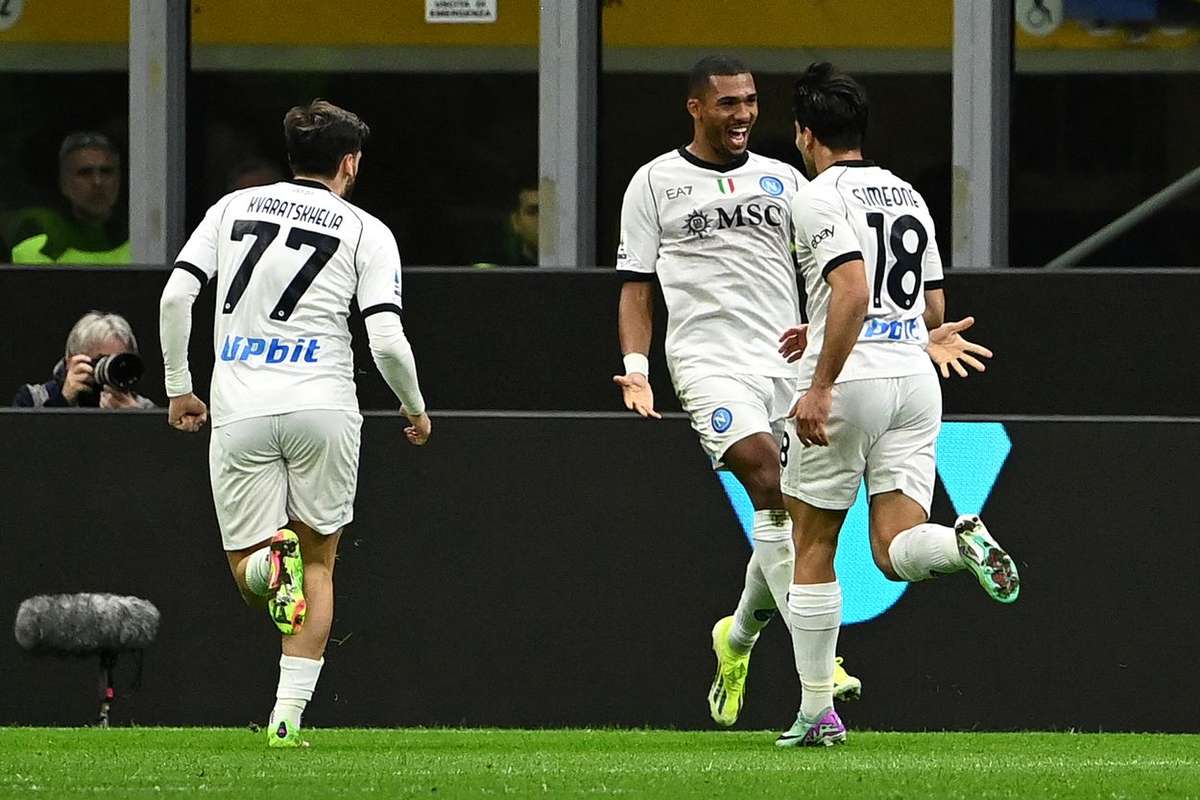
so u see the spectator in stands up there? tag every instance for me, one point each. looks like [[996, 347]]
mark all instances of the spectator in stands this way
[[253, 171], [99, 368], [519, 244], [85, 229]]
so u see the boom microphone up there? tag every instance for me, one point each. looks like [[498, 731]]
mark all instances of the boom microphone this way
[[82, 625]]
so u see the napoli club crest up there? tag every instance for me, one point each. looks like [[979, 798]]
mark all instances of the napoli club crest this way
[[771, 185]]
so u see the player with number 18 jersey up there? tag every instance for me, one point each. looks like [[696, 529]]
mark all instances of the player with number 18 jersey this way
[[869, 404]]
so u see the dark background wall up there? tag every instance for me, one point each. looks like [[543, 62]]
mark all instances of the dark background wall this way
[[1087, 342], [443, 164], [559, 570]]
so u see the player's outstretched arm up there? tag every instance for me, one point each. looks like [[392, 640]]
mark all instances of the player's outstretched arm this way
[[635, 319], [949, 350]]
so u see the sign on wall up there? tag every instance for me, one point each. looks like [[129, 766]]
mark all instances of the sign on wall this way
[[460, 10]]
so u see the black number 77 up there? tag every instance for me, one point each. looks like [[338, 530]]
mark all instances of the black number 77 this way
[[323, 245]]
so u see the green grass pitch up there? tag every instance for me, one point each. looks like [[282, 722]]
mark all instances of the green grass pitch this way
[[439, 763]]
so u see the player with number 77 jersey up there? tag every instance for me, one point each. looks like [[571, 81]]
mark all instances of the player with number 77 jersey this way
[[289, 258]]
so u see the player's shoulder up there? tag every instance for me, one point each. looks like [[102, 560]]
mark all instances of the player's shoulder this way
[[231, 197], [784, 169], [822, 191], [896, 180], [646, 171]]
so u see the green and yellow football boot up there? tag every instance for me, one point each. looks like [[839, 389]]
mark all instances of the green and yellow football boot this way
[[286, 583]]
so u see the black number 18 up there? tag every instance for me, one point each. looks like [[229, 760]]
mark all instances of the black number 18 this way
[[906, 261]]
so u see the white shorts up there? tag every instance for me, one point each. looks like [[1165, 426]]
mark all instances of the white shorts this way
[[727, 408], [885, 429], [268, 470]]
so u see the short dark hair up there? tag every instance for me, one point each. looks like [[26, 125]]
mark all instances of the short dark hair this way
[[319, 135], [832, 105], [81, 140], [709, 66]]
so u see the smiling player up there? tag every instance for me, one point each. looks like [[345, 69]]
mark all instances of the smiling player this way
[[710, 222]]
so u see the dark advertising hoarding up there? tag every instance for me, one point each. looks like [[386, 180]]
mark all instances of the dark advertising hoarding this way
[[565, 570]]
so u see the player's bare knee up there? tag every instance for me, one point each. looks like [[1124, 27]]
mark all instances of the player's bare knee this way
[[883, 560], [762, 484]]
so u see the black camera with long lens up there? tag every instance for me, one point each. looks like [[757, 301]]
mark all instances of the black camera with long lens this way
[[119, 371]]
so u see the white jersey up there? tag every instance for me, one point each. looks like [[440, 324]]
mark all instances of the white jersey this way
[[855, 210], [718, 238], [289, 258]]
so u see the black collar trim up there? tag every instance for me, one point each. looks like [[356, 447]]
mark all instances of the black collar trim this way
[[740, 161], [853, 162], [310, 183]]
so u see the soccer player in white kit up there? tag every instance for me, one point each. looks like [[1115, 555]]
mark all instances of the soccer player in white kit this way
[[289, 258], [710, 222], [869, 403]]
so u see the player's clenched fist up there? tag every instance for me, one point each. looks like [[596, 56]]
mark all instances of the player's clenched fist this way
[[187, 413], [418, 432], [637, 394]]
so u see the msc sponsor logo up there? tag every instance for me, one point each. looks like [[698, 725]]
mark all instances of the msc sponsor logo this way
[[753, 214], [970, 456], [700, 223], [821, 236], [270, 351], [897, 330], [722, 418], [771, 185], [697, 224]]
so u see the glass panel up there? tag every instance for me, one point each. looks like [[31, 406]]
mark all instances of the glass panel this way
[[899, 51], [66, 91], [1104, 113], [452, 109]]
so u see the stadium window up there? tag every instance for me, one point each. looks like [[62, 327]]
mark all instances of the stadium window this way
[[1104, 113], [453, 111], [902, 56], [63, 142]]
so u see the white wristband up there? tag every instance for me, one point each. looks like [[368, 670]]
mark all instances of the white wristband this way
[[637, 362]]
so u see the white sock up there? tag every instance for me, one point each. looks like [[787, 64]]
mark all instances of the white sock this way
[[816, 615], [258, 570], [924, 552], [768, 576], [297, 682]]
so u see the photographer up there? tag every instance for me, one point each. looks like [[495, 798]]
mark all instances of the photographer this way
[[99, 370]]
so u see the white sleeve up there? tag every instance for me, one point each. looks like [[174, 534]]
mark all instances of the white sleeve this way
[[931, 267], [199, 255], [378, 270], [822, 229], [379, 301], [640, 231], [175, 328], [194, 267], [394, 358]]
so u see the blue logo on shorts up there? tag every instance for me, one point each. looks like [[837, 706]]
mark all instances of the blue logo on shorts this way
[[722, 418], [771, 185]]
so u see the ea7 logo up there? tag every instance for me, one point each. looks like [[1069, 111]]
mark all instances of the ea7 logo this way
[[676, 192], [821, 236], [970, 456]]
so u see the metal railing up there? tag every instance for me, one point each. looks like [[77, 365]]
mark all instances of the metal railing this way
[[1143, 210]]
